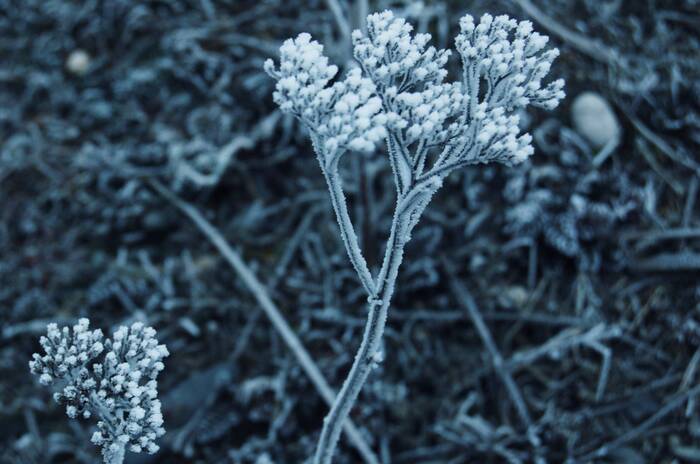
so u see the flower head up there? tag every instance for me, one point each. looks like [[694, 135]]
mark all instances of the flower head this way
[[344, 116], [399, 93], [511, 58], [112, 379], [391, 56]]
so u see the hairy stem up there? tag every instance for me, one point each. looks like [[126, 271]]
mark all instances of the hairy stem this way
[[347, 230], [365, 357]]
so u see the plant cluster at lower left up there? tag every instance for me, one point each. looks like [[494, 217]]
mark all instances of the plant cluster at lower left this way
[[113, 379]]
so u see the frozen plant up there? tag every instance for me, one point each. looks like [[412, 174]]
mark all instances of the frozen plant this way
[[112, 379], [431, 128]]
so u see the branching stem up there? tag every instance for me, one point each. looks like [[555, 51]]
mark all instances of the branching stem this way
[[270, 309], [378, 307]]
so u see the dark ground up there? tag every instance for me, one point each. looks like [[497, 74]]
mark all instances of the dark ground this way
[[583, 266]]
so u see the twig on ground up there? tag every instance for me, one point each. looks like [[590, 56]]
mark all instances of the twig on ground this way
[[636, 432], [585, 45], [562, 342], [467, 301], [683, 261]]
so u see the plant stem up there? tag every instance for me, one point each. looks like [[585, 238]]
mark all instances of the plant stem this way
[[364, 359], [347, 231], [340, 207]]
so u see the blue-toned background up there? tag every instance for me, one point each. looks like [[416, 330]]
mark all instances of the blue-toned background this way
[[583, 262]]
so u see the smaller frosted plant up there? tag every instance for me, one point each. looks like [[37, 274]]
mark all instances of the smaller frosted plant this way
[[398, 95], [112, 379]]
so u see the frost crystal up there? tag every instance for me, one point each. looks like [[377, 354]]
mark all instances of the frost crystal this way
[[113, 380]]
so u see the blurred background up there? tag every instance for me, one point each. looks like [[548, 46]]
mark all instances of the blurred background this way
[[123, 122]]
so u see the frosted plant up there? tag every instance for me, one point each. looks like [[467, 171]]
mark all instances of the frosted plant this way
[[430, 127], [112, 379]]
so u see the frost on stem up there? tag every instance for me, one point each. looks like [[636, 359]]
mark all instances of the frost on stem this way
[[113, 379]]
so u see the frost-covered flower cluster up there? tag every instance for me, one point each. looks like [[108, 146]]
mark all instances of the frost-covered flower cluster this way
[[112, 379], [345, 115], [513, 69], [391, 56], [399, 94], [508, 72], [409, 77]]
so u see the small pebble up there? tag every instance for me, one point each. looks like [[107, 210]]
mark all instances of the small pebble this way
[[595, 120], [78, 62], [517, 295]]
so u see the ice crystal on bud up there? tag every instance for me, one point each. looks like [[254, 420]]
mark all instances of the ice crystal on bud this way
[[113, 379]]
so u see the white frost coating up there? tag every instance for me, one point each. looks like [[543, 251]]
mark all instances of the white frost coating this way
[[430, 127]]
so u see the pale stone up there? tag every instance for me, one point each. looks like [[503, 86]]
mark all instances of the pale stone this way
[[78, 62], [594, 119]]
